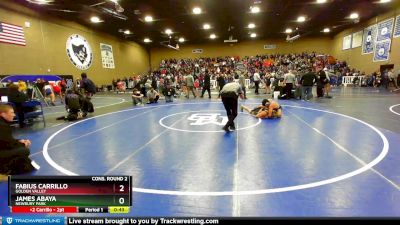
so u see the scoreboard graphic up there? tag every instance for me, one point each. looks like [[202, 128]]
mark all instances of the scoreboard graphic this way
[[69, 194]]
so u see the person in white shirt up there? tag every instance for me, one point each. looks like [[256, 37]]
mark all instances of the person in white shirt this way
[[153, 96], [256, 79], [48, 90], [289, 80], [393, 78]]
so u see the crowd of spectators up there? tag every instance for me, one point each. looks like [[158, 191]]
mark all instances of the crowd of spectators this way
[[266, 71]]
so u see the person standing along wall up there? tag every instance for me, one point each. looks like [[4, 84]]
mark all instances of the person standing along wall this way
[[257, 79], [221, 83], [87, 86], [190, 85], [393, 79], [289, 80], [242, 82], [307, 81], [206, 85]]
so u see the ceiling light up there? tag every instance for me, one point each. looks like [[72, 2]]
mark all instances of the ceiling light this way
[[115, 1], [181, 39], [95, 19], [384, 1], [301, 19], [212, 36], [288, 31], [148, 19], [41, 2], [127, 32], [196, 10], [206, 26], [147, 40], [321, 1], [327, 30], [255, 9], [253, 35], [168, 31], [251, 25], [354, 16]]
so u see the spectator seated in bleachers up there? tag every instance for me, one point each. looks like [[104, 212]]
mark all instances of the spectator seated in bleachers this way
[[272, 65]]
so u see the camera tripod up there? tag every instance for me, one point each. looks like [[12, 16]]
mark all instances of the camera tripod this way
[[37, 94]]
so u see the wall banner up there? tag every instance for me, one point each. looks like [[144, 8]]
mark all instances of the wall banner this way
[[382, 51], [197, 51], [385, 30], [396, 32], [357, 39], [347, 42], [107, 56], [369, 37]]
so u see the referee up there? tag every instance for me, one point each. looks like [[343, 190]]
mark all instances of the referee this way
[[229, 95]]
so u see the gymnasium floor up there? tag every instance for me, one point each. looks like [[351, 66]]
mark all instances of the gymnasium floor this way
[[325, 158]]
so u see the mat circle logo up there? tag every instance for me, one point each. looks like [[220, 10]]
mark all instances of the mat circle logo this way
[[207, 121], [79, 52]]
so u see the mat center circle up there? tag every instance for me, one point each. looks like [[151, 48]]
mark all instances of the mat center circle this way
[[203, 121]]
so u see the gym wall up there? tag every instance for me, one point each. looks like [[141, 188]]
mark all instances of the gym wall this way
[[354, 57], [45, 50]]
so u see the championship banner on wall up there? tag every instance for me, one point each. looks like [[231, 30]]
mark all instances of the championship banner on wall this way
[[385, 30], [107, 57], [357, 39], [382, 51], [347, 42], [396, 32], [369, 37]]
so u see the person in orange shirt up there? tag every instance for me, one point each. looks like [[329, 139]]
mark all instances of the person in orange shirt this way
[[269, 109]]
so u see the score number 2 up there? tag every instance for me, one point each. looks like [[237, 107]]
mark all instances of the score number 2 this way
[[121, 188], [121, 200]]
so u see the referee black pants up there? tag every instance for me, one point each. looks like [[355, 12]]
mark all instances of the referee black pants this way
[[230, 104], [288, 91]]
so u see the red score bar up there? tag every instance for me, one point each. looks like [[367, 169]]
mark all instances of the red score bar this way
[[43, 209]]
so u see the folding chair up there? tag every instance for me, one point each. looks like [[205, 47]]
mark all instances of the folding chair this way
[[34, 114]]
